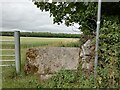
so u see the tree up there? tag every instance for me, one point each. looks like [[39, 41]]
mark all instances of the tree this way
[[84, 14]]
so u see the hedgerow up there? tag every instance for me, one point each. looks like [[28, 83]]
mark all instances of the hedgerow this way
[[108, 70], [43, 34]]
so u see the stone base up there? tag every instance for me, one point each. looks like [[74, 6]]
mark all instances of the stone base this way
[[47, 61]]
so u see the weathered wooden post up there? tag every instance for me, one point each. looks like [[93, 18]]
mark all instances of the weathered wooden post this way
[[17, 51]]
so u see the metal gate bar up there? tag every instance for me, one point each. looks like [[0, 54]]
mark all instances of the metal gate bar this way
[[6, 40], [7, 49], [7, 65], [7, 60], [17, 52], [7, 55]]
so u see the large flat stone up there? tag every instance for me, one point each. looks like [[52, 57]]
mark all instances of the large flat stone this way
[[52, 59]]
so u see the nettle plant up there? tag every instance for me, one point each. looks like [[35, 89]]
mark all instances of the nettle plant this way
[[109, 54]]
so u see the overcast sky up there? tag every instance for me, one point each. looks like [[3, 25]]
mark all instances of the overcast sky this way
[[26, 16]]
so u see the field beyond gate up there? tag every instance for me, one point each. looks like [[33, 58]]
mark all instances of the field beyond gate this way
[[10, 80]]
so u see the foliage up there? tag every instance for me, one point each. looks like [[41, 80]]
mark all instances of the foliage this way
[[109, 55], [70, 13], [63, 79], [70, 79], [84, 14]]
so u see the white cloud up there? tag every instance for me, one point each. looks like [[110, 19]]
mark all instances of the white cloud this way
[[26, 16]]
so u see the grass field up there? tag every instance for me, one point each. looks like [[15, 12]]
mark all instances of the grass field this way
[[9, 77]]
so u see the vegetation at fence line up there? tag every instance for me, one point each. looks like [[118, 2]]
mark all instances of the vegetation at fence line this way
[[85, 14], [108, 72], [10, 79], [43, 34]]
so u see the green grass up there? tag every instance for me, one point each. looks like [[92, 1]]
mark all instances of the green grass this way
[[9, 77]]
